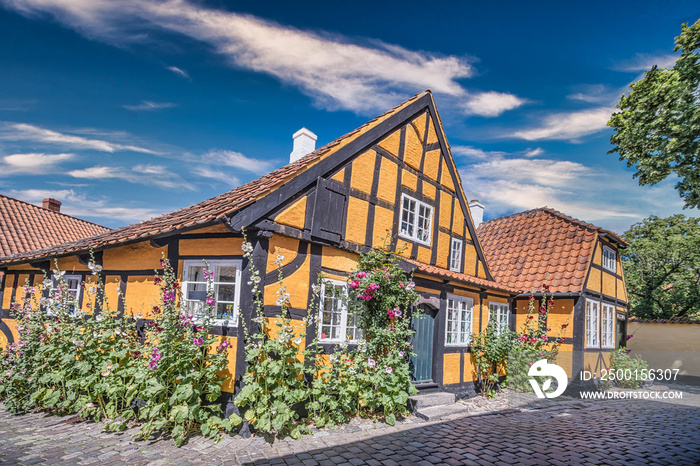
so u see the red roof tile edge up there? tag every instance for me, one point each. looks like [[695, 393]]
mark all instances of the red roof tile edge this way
[[456, 276]]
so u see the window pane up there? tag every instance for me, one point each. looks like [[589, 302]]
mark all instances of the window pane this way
[[225, 273], [225, 292]]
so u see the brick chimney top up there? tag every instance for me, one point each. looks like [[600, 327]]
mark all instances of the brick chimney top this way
[[51, 204]]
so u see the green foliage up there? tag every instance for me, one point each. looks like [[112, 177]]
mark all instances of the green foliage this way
[[631, 369], [533, 342], [274, 386], [658, 127], [96, 365], [491, 350], [662, 267]]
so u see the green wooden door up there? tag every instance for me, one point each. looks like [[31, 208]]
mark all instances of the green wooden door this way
[[422, 363]]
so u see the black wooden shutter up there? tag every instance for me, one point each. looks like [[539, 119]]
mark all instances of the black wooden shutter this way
[[330, 210]]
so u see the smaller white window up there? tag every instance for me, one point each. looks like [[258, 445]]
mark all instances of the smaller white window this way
[[498, 312], [459, 321], [225, 287], [336, 324], [609, 262], [416, 219], [456, 255], [72, 284], [608, 326], [592, 320]]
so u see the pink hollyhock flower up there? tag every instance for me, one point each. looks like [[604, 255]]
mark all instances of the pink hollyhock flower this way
[[354, 284], [389, 370], [210, 301], [361, 274], [197, 341], [370, 363]]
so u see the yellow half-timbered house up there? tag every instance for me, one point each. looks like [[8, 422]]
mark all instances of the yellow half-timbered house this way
[[392, 182]]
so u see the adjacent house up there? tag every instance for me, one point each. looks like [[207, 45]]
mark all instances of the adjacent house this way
[[581, 265], [27, 227], [390, 182]]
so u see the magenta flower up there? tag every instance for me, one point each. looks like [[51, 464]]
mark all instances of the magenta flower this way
[[361, 274], [210, 301], [197, 341], [354, 284]]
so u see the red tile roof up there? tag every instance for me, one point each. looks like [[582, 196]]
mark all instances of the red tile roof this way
[[540, 246], [214, 209], [26, 227], [460, 277]]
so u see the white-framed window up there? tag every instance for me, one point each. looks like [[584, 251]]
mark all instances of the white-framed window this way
[[226, 287], [458, 330], [456, 255], [336, 323], [609, 262], [416, 219], [72, 283], [608, 326], [498, 312], [592, 321]]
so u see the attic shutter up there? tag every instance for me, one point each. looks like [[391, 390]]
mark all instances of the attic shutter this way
[[329, 210]]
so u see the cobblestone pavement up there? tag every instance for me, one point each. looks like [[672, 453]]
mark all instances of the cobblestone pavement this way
[[571, 432]]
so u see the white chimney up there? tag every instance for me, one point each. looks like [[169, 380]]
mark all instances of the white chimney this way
[[304, 143], [477, 210]]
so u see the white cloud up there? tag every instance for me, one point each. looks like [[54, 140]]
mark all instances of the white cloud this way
[[533, 152], [475, 153], [155, 175], [31, 163], [595, 94], [85, 207], [491, 104], [611, 199], [331, 69], [147, 105], [179, 71], [644, 62], [27, 132], [217, 175], [234, 159], [568, 126]]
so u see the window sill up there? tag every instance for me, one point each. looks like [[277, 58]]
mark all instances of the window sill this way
[[414, 240]]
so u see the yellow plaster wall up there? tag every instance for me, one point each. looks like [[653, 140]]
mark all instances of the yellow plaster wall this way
[[443, 254], [71, 264], [598, 254], [450, 368], [383, 226], [294, 215], [621, 290], [429, 190], [230, 371], [521, 314], [458, 223], [469, 259], [340, 176], [24, 267], [7, 291], [594, 362], [432, 135], [667, 346], [137, 256], [284, 246], [403, 248], [386, 189], [423, 255], [111, 293], [565, 359], [409, 180], [562, 313], [363, 172], [297, 286], [482, 268], [419, 125], [209, 247], [445, 209], [335, 259], [391, 143], [446, 178], [432, 164], [413, 149], [593, 282], [141, 295], [356, 224], [214, 229], [3, 338], [272, 329], [608, 284], [469, 368]]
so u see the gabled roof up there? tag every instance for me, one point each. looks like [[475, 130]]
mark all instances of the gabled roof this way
[[222, 207], [541, 246], [26, 227], [460, 277]]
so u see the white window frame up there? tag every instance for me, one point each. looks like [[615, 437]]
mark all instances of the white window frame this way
[[592, 324], [56, 279], [413, 220], [501, 313], [211, 265], [456, 255], [609, 259], [344, 315], [458, 327], [607, 322]]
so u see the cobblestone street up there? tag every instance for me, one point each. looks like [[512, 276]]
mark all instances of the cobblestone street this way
[[571, 432]]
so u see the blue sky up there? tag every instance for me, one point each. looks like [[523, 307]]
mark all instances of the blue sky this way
[[128, 109]]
